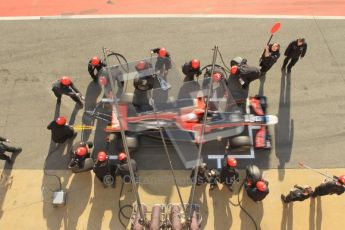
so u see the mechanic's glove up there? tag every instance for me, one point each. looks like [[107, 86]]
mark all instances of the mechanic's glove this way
[[7, 140]]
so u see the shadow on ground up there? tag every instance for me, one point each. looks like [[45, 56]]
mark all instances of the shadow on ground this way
[[284, 130]]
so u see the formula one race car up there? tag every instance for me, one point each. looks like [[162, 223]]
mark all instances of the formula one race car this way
[[190, 112]]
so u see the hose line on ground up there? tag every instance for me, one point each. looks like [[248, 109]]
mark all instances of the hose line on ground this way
[[243, 209]]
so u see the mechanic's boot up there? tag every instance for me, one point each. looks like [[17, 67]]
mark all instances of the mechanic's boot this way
[[283, 198]]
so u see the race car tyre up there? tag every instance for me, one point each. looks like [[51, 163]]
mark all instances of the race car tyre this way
[[240, 143], [132, 141]]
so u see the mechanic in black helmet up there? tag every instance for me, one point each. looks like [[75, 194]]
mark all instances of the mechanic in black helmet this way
[[296, 50], [191, 69], [94, 66]]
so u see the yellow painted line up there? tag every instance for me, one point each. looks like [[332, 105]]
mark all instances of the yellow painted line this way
[[83, 127]]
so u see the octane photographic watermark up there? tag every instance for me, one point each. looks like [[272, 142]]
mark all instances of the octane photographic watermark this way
[[182, 181]]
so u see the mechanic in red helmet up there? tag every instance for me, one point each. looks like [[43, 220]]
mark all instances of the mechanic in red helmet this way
[[229, 174], [79, 152], [104, 171], [336, 186], [257, 191], [94, 66], [298, 193], [217, 90], [243, 72], [123, 168], [65, 86], [218, 76], [191, 69], [6, 148], [255, 186], [61, 131], [163, 63]]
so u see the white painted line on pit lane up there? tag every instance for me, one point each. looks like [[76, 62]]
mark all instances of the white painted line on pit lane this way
[[126, 16], [219, 158]]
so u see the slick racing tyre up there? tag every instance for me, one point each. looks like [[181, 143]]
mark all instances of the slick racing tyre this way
[[131, 139], [240, 143]]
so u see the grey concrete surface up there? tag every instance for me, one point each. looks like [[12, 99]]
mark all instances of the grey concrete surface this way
[[309, 103]]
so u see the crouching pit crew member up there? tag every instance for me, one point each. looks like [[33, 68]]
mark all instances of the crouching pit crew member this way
[[229, 174], [104, 171], [79, 153], [123, 168]]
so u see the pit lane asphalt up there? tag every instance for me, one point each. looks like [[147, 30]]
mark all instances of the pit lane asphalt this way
[[309, 104]]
